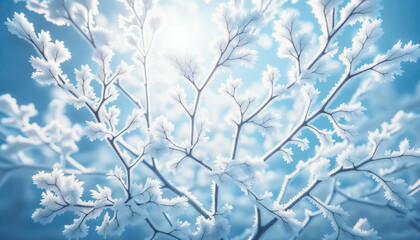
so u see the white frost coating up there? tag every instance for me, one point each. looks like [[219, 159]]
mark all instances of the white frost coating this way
[[363, 228], [134, 121], [57, 11], [293, 37], [215, 228], [320, 168], [385, 67], [368, 34], [57, 52], [396, 191], [287, 216], [325, 138], [336, 214], [322, 8], [287, 154], [111, 115], [352, 156], [103, 57], [123, 70], [20, 27], [349, 112], [244, 170], [84, 77], [242, 26], [46, 72], [62, 194], [271, 76], [60, 137], [96, 131], [160, 135], [102, 196], [9, 106], [359, 10]]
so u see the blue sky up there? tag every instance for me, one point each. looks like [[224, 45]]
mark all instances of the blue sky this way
[[400, 22]]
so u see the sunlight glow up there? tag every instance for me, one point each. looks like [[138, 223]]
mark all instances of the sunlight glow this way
[[179, 34], [179, 37]]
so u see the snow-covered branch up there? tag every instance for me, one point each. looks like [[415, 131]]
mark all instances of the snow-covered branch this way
[[196, 169]]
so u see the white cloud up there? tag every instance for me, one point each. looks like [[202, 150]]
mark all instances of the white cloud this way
[[265, 41]]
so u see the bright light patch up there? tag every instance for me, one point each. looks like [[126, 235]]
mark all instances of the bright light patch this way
[[181, 34], [179, 37]]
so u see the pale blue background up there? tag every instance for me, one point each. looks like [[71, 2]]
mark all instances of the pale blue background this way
[[400, 22]]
